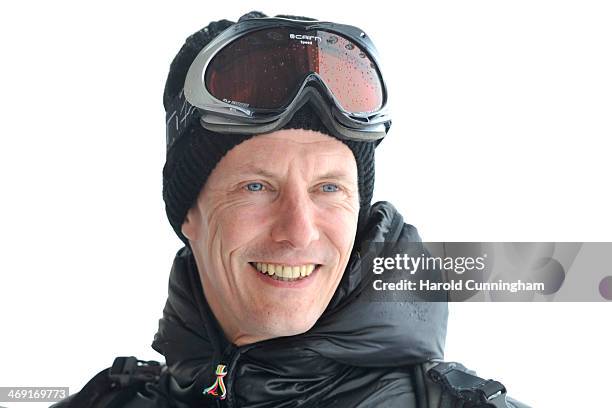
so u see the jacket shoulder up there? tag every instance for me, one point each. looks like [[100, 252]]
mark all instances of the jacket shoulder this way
[[128, 383]]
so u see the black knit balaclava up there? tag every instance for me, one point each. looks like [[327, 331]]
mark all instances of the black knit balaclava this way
[[197, 151]]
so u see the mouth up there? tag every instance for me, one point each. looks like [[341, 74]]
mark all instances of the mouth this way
[[285, 273]]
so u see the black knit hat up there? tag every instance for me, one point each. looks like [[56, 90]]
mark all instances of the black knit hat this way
[[197, 151]]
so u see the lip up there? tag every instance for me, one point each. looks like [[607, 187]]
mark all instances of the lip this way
[[300, 283]]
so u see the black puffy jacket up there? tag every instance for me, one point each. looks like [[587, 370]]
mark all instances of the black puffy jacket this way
[[358, 354]]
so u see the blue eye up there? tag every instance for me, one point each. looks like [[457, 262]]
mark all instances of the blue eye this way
[[330, 188], [254, 186]]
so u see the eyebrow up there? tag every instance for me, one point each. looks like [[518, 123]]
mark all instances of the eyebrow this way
[[251, 169], [332, 174], [336, 175]]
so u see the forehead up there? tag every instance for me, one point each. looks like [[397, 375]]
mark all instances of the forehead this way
[[312, 151]]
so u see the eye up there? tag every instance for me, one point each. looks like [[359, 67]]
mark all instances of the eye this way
[[330, 188], [255, 186]]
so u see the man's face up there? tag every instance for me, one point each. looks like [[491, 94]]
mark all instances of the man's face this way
[[288, 200]]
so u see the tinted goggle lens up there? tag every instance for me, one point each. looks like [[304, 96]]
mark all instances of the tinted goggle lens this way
[[264, 69]]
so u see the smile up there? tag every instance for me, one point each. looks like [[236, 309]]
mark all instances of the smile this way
[[285, 273]]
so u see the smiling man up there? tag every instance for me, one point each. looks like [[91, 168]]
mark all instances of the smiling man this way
[[272, 125], [271, 238]]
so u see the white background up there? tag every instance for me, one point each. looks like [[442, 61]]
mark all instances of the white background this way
[[501, 132]]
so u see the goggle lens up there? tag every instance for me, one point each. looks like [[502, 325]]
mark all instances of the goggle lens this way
[[264, 70]]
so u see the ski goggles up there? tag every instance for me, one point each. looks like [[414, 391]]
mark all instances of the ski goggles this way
[[256, 74]]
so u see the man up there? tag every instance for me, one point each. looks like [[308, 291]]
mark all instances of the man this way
[[268, 181]]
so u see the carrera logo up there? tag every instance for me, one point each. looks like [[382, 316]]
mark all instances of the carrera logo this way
[[304, 39]]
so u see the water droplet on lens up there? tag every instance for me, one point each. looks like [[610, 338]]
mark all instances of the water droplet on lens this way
[[274, 35]]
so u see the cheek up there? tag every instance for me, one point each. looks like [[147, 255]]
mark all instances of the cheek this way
[[231, 229], [340, 226], [239, 224]]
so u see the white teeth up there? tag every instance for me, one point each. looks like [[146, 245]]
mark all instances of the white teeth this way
[[285, 272]]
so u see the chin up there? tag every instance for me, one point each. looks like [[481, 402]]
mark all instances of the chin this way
[[287, 325]]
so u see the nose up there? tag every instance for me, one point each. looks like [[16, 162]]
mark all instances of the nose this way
[[295, 222]]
